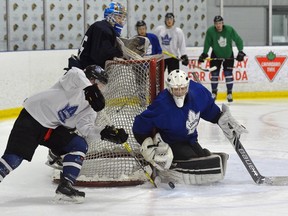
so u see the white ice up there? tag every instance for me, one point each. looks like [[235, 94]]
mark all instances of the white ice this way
[[29, 191]]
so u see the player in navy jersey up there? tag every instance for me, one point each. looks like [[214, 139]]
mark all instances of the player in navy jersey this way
[[154, 47], [99, 43], [174, 116], [50, 118]]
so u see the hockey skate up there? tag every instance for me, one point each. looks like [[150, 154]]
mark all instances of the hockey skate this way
[[66, 193], [54, 161], [214, 94], [229, 98]]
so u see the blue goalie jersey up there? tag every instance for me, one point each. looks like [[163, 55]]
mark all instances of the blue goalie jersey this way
[[176, 124]]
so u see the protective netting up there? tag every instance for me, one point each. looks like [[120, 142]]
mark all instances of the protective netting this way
[[132, 85]]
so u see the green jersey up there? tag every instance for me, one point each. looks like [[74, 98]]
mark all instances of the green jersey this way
[[221, 42]]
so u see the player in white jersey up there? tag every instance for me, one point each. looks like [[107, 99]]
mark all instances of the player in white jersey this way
[[48, 119], [172, 39]]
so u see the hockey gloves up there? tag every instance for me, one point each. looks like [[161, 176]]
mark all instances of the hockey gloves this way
[[157, 152], [185, 60], [94, 97], [115, 135], [202, 57], [229, 125], [240, 56]]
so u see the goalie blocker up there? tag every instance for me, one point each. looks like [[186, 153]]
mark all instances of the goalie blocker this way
[[202, 170]]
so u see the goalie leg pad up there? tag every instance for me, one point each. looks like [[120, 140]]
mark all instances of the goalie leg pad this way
[[197, 171]]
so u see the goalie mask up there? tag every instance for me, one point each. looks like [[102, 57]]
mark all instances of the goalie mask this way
[[178, 84], [115, 14]]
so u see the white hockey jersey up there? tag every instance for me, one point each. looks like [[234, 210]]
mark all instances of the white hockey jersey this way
[[171, 40], [64, 104]]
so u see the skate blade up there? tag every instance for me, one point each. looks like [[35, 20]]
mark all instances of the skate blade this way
[[63, 199], [54, 165]]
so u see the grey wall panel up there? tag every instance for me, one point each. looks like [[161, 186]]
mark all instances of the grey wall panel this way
[[3, 26], [64, 24], [249, 3], [25, 25]]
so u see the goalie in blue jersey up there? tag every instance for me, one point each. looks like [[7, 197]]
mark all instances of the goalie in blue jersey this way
[[174, 115]]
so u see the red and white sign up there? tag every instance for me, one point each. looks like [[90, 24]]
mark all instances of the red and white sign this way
[[270, 64]]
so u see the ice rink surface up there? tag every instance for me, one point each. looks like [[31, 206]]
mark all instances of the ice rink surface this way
[[29, 191]]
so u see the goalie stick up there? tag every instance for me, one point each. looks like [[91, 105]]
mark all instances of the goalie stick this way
[[130, 151], [252, 170], [155, 180]]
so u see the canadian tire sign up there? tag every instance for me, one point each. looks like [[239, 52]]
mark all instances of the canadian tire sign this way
[[270, 64]]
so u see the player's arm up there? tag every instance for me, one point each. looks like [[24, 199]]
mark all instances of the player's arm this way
[[102, 48]]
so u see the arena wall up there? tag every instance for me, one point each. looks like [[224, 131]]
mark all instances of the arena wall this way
[[25, 73]]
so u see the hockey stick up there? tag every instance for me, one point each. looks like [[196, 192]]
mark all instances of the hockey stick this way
[[252, 170], [195, 66], [130, 151]]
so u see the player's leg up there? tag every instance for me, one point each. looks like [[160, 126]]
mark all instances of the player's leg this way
[[22, 143], [8, 162], [193, 164], [201, 170], [172, 64], [74, 149], [185, 151], [215, 75], [228, 72]]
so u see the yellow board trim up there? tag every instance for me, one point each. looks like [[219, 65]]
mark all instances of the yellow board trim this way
[[254, 95], [14, 112], [9, 113]]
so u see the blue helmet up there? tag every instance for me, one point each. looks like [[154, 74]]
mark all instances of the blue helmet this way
[[115, 14], [114, 8]]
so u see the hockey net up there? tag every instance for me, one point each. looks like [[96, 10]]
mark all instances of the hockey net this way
[[132, 85]]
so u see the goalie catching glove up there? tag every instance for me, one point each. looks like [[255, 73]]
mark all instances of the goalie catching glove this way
[[157, 152], [115, 135], [230, 127]]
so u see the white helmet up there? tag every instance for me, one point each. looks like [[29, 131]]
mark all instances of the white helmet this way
[[176, 81]]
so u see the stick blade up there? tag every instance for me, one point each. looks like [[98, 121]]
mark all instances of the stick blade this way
[[276, 180]]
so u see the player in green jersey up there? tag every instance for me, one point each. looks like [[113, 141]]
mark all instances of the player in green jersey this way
[[220, 37]]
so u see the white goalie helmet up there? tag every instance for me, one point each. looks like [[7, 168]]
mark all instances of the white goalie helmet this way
[[178, 84]]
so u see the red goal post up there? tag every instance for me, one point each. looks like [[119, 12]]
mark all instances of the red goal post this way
[[132, 85]]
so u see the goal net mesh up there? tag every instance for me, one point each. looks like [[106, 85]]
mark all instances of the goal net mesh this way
[[132, 85]]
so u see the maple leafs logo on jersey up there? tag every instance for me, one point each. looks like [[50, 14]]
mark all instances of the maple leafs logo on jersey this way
[[166, 39], [222, 42], [66, 112], [192, 121]]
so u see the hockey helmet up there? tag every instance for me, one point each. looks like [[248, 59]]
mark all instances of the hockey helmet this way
[[115, 8], [140, 23], [96, 72], [115, 14], [218, 19], [169, 16], [178, 84]]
